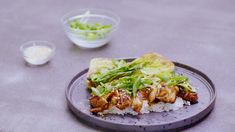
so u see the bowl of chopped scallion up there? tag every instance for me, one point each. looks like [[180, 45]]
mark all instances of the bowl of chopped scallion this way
[[90, 28]]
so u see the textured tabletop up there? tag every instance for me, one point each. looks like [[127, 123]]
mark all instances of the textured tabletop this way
[[198, 33]]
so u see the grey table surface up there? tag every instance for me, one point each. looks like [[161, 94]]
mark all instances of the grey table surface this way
[[198, 33]]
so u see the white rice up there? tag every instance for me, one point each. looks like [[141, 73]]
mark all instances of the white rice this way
[[146, 108], [115, 110], [160, 107]]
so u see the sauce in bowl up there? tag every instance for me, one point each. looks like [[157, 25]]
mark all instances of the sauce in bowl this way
[[37, 52]]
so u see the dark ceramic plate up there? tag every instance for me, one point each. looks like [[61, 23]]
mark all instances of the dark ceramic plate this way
[[77, 98]]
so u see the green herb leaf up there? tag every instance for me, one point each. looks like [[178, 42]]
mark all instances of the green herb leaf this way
[[95, 91], [102, 30], [136, 85]]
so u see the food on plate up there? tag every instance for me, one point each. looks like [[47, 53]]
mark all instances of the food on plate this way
[[146, 84]]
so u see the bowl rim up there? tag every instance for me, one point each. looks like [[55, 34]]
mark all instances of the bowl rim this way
[[112, 15], [38, 42]]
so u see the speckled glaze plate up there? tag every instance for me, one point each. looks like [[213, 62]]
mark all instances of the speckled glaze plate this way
[[77, 98]]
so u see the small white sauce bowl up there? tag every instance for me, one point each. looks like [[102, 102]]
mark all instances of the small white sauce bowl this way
[[37, 52]]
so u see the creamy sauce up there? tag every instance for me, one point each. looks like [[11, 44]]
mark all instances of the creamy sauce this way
[[37, 55]]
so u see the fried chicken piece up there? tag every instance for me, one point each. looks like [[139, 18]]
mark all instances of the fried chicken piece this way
[[137, 104], [167, 94], [152, 94], [120, 99], [144, 93], [188, 95], [96, 110], [162, 93], [98, 104], [90, 83]]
